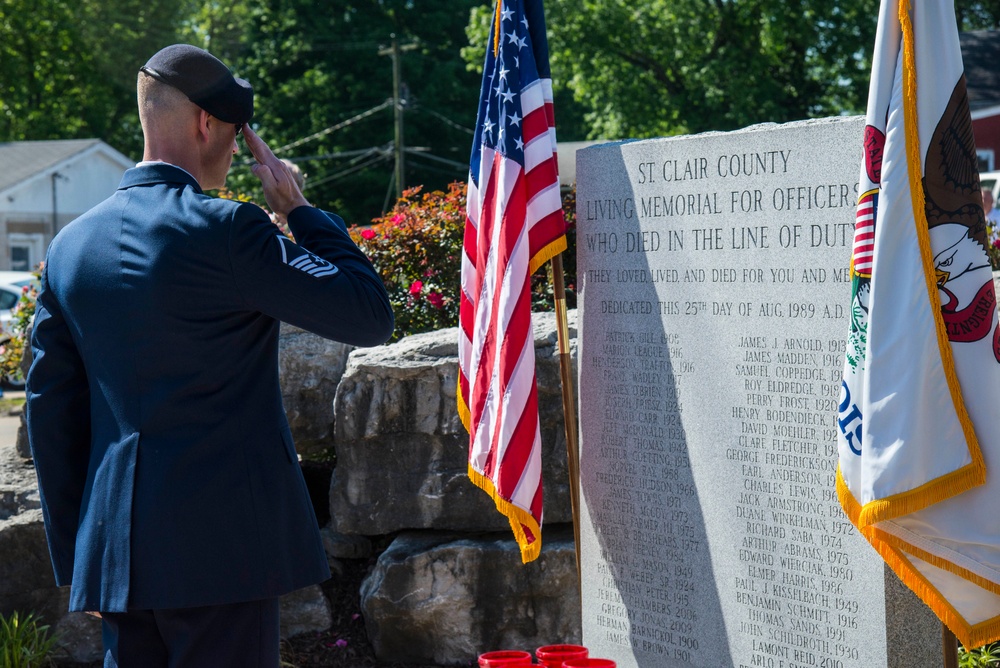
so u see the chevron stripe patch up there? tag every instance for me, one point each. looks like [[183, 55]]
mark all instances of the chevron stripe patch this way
[[297, 257]]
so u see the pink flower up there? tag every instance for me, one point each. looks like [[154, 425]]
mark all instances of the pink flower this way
[[436, 300], [367, 234], [398, 218], [416, 287], [341, 643], [996, 243]]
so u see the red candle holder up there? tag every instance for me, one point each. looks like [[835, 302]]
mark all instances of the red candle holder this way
[[553, 656], [505, 658], [589, 663]]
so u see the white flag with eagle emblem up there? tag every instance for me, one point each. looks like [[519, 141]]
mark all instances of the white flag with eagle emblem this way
[[919, 414]]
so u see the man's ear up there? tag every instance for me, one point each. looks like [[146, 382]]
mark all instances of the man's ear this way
[[205, 121]]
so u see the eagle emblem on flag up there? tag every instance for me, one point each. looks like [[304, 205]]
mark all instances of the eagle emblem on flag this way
[[921, 375]]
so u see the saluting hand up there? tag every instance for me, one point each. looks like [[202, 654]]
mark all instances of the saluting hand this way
[[280, 190]]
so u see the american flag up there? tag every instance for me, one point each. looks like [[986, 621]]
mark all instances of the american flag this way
[[514, 225], [864, 234]]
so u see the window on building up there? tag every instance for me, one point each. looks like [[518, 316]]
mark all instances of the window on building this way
[[25, 250], [985, 156]]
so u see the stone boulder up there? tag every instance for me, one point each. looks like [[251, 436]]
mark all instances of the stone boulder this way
[[310, 369], [304, 611], [26, 580], [402, 453], [23, 449], [28, 586], [27, 583], [21, 445], [444, 598]]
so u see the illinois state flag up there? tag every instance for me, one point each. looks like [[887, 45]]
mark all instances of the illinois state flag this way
[[919, 414], [514, 224]]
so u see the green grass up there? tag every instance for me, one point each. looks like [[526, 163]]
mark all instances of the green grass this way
[[24, 642], [9, 404], [982, 657]]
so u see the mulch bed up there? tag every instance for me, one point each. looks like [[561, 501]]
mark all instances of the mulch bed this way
[[346, 644]]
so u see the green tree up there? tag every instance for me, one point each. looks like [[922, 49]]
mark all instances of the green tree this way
[[664, 67], [644, 68], [978, 14], [68, 67], [316, 66]]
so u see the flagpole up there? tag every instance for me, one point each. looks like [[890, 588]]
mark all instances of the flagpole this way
[[949, 647], [569, 405]]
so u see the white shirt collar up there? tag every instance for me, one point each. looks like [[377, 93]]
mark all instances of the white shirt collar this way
[[148, 163]]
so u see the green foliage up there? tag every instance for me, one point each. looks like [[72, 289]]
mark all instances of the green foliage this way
[[978, 14], [315, 66], [621, 68], [983, 657], [665, 67], [68, 68], [417, 250], [24, 642]]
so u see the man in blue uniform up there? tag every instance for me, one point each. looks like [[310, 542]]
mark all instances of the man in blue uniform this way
[[173, 500]]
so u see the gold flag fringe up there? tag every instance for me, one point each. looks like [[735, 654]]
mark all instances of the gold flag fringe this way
[[518, 517], [891, 549]]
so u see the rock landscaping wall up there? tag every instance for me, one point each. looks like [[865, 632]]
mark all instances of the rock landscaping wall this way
[[402, 467]]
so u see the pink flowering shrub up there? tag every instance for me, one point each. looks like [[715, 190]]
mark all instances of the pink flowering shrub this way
[[417, 250]]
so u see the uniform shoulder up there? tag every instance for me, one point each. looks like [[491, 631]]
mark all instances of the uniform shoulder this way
[[224, 207]]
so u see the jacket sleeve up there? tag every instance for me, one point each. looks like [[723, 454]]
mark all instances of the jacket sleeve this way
[[57, 413], [323, 283]]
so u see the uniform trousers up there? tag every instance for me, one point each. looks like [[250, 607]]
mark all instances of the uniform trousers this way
[[237, 635]]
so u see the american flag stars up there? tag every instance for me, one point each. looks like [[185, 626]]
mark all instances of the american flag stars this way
[[502, 122]]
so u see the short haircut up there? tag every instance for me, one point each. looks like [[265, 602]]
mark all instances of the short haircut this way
[[157, 98]]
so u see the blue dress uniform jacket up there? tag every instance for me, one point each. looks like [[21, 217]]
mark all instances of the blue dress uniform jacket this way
[[166, 467]]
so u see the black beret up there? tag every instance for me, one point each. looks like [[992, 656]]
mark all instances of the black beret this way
[[205, 80]]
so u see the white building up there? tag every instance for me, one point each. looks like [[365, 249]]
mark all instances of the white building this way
[[46, 184]]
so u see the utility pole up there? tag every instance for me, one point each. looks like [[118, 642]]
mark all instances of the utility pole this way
[[398, 104], [55, 211]]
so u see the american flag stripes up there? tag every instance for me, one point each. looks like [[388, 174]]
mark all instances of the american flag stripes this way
[[864, 234], [514, 225]]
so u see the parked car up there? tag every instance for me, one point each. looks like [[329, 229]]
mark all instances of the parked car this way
[[12, 285]]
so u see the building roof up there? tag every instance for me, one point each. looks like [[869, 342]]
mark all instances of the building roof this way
[[981, 55], [24, 159]]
